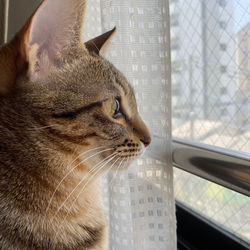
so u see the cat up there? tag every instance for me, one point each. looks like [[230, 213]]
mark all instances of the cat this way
[[67, 115]]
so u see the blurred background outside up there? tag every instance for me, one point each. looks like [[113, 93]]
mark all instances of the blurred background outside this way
[[210, 49]]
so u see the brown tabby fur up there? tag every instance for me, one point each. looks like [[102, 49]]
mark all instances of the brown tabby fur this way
[[52, 111]]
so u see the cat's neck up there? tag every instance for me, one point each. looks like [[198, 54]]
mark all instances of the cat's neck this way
[[82, 213], [66, 213]]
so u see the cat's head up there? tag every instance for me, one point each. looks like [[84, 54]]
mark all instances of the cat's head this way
[[79, 98]]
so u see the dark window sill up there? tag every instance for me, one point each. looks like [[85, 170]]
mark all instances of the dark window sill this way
[[194, 232]]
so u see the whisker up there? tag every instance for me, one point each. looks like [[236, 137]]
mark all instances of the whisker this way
[[143, 152], [58, 185], [92, 170], [40, 128], [117, 169], [98, 170], [90, 150], [25, 118]]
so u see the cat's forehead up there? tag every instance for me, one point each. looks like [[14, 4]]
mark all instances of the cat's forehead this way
[[95, 76]]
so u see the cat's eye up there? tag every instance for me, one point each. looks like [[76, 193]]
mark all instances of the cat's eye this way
[[112, 107]]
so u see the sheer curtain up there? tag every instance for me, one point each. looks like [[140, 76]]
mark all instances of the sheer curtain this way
[[140, 201]]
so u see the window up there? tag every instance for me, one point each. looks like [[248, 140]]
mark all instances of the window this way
[[245, 100], [222, 3], [174, 19], [223, 25], [175, 43], [223, 47], [214, 127], [224, 112], [176, 66], [176, 90], [223, 90], [223, 69], [174, 1]]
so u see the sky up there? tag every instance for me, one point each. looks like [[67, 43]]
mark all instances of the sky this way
[[241, 13]]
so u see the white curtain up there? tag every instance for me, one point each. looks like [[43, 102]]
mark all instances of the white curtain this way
[[140, 201]]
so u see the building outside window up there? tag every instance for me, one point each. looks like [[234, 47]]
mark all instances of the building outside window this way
[[217, 113]]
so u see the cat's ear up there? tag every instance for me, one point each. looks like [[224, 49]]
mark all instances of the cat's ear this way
[[55, 31], [96, 44], [48, 39]]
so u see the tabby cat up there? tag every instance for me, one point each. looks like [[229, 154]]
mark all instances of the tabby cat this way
[[66, 116]]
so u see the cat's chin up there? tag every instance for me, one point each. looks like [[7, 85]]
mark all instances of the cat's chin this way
[[126, 161]]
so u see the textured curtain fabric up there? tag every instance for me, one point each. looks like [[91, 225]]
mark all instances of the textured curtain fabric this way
[[4, 5], [140, 201]]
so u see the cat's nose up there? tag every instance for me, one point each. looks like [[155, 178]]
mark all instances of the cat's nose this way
[[141, 131], [146, 140]]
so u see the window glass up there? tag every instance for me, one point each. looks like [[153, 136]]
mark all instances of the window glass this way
[[174, 19], [223, 24], [175, 43], [212, 71], [213, 101], [222, 3], [223, 46], [229, 209]]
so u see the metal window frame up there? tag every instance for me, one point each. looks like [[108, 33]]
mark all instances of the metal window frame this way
[[225, 167], [222, 166]]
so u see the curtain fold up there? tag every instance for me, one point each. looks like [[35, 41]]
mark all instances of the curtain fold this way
[[140, 201], [4, 9]]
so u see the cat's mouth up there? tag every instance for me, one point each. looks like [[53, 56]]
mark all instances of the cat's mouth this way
[[123, 154]]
